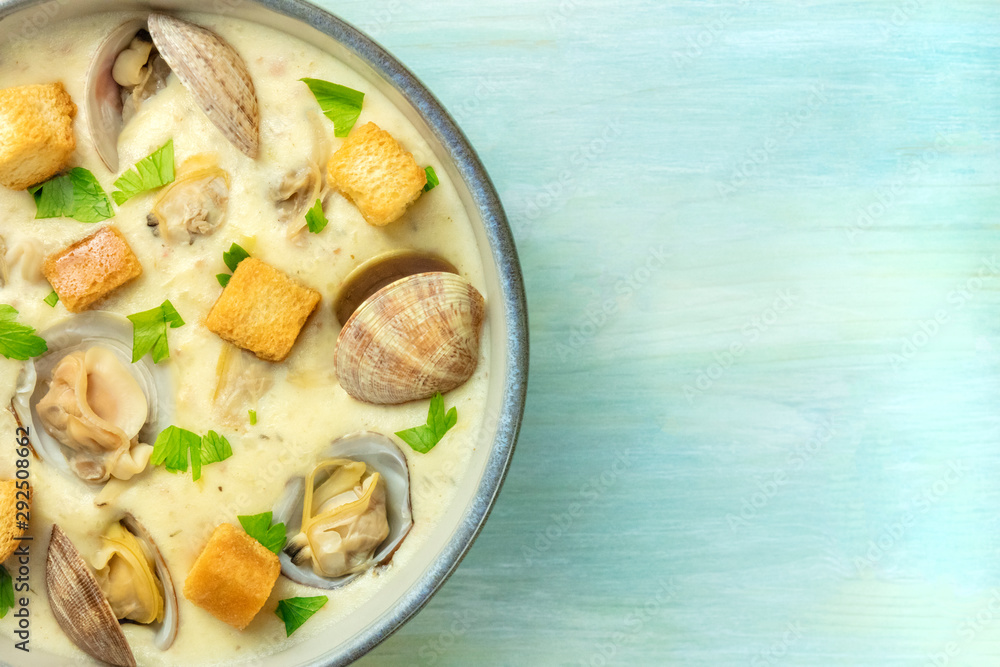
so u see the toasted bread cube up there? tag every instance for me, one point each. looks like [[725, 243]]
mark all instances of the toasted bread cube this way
[[262, 310], [10, 533], [91, 268], [373, 171], [233, 576], [36, 134]]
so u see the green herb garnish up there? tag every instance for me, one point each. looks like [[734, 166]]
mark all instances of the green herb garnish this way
[[232, 258], [52, 299], [258, 526], [315, 219], [149, 331], [174, 445], [253, 417], [339, 103], [423, 438], [432, 179], [296, 611], [18, 341], [151, 172], [75, 194], [7, 592]]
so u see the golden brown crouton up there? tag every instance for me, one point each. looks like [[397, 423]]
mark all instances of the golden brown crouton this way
[[10, 534], [373, 171], [233, 576], [36, 134], [262, 310], [91, 268]]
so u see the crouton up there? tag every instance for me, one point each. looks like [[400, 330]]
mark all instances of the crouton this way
[[232, 577], [10, 534], [262, 310], [373, 171], [36, 134], [91, 268]]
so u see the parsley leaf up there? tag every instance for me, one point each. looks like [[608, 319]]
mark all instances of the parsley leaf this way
[[339, 103], [258, 526], [432, 179], [153, 171], [423, 438], [215, 448], [18, 341], [253, 417], [296, 611], [7, 592], [52, 299], [149, 331], [75, 194], [315, 219], [232, 258], [172, 446]]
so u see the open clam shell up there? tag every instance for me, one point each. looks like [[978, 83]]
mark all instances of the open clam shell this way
[[79, 605], [206, 64], [215, 74], [411, 339], [81, 608], [80, 332], [104, 100], [383, 456]]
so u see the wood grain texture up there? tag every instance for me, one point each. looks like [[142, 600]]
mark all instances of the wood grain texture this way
[[763, 267]]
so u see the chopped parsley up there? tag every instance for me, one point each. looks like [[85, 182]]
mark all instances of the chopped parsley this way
[[315, 219], [149, 331], [258, 526], [7, 593], [151, 172], [296, 611], [339, 103], [52, 299], [423, 438], [432, 179], [75, 194], [232, 258], [174, 445], [18, 341], [253, 417]]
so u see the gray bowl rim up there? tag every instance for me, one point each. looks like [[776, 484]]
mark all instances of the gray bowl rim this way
[[487, 201]]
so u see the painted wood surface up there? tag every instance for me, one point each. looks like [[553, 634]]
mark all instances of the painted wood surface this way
[[762, 256]]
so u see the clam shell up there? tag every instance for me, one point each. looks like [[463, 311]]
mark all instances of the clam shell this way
[[214, 74], [411, 339], [103, 97], [382, 270], [167, 631], [79, 605], [81, 331], [379, 453]]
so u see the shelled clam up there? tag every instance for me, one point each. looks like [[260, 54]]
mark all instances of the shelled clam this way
[[88, 408], [411, 338], [350, 514], [134, 62], [130, 580]]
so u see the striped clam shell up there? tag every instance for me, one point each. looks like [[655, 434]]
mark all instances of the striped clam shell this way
[[215, 75], [411, 339]]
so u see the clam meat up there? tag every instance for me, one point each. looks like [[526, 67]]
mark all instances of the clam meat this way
[[129, 581], [133, 64], [195, 204], [411, 339], [301, 186], [88, 408], [348, 515]]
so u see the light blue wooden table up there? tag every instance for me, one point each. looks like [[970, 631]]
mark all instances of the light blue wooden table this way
[[762, 253]]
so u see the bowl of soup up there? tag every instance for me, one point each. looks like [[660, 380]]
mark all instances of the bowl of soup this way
[[263, 260]]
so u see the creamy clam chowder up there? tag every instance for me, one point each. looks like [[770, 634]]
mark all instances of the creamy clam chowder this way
[[299, 405]]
